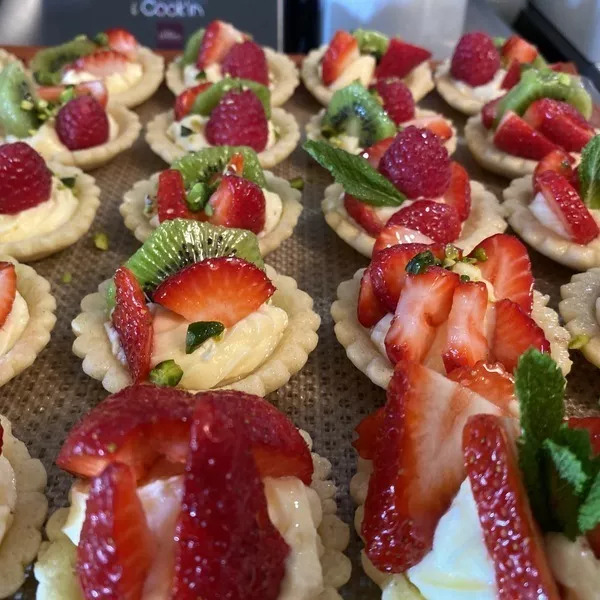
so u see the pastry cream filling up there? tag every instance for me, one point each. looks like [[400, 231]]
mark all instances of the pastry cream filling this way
[[192, 75], [41, 219], [13, 328], [547, 217], [362, 69], [115, 82], [8, 495], [486, 92], [294, 509]]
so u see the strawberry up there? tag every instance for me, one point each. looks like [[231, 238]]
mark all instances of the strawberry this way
[[132, 320], [508, 268], [374, 153], [564, 67], [436, 124], [400, 59], [218, 40], [566, 204], [82, 123], [171, 197], [418, 464], [247, 60], [223, 289], [185, 101], [515, 136], [238, 120], [8, 291], [370, 308], [458, 194], [514, 333], [392, 235], [101, 63], [475, 60], [488, 112], [364, 214], [510, 532], [116, 547], [559, 161], [367, 430], [397, 99], [593, 538], [515, 48], [235, 166], [592, 425], [513, 75], [53, 93], [424, 304], [25, 180], [122, 41], [341, 52]]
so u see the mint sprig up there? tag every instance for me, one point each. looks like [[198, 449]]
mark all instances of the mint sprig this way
[[589, 173]]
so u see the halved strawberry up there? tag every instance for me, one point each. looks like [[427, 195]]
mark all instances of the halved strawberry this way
[[559, 161], [418, 464], [218, 39], [8, 289], [101, 63], [513, 75], [393, 235], [185, 101], [400, 59], [592, 426], [171, 197], [564, 67], [458, 194], [374, 153], [370, 309], [116, 548], [517, 49], [436, 124], [511, 535], [223, 289], [341, 52], [53, 93], [515, 136], [122, 41], [368, 430], [488, 113], [364, 214]]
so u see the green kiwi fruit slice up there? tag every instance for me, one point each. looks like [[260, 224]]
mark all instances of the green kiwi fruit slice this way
[[201, 165], [192, 47], [47, 64], [354, 111], [16, 92], [178, 243], [207, 100], [371, 42]]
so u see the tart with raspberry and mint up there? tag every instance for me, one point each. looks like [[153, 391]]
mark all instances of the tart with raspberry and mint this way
[[130, 72], [220, 50], [68, 124], [23, 508], [225, 186], [221, 479], [196, 307], [445, 309], [459, 499], [545, 111], [402, 190], [232, 112], [366, 56], [357, 118], [557, 209]]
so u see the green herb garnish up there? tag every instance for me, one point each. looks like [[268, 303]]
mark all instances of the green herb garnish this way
[[185, 131], [201, 75], [166, 374], [101, 39], [101, 241], [297, 183], [68, 182], [421, 262], [198, 333], [589, 173], [67, 277]]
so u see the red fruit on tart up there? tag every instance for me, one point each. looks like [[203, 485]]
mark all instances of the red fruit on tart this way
[[592, 426], [82, 123], [374, 153], [171, 197], [341, 52], [121, 41], [364, 214], [475, 59], [8, 293], [488, 113], [217, 41], [370, 308], [400, 59], [397, 99], [516, 136], [559, 161], [438, 125], [515, 48], [101, 63], [246, 60], [54, 93], [458, 194], [185, 101], [513, 75]]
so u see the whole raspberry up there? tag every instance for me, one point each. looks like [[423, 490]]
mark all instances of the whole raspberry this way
[[82, 123], [238, 120], [417, 163], [397, 99], [247, 60], [476, 59], [25, 180]]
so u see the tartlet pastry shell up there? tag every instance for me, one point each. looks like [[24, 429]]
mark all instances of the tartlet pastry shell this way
[[132, 211], [169, 151], [7, 57], [447, 89]]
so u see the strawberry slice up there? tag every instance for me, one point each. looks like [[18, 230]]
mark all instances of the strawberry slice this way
[[438, 125], [341, 52], [393, 235], [374, 153], [368, 430], [218, 40], [488, 112], [116, 548], [559, 161], [225, 544], [513, 75], [53, 93], [101, 63], [223, 289], [458, 194], [510, 532], [515, 136], [400, 59], [132, 320], [370, 309], [171, 197], [514, 333], [8, 289], [508, 268], [515, 48], [418, 464], [566, 204], [185, 101], [122, 41], [364, 214], [424, 304], [592, 425], [564, 67]]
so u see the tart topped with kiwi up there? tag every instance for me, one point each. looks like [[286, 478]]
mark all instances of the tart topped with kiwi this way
[[130, 72], [220, 50]]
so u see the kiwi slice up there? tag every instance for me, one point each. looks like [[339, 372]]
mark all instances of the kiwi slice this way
[[192, 47], [207, 100], [15, 93], [354, 111], [178, 243], [47, 64], [371, 42], [201, 165]]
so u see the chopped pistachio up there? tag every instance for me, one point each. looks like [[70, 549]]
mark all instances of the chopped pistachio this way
[[465, 278], [198, 196], [27, 105], [67, 94], [32, 131], [42, 104], [199, 332], [166, 373], [101, 39], [451, 252], [149, 205], [480, 254], [579, 341], [185, 131], [201, 75], [81, 37], [101, 241], [67, 277], [327, 132], [208, 209], [418, 264], [297, 183], [68, 181]]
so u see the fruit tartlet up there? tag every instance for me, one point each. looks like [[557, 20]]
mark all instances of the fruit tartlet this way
[[196, 307], [225, 186], [26, 317], [220, 51], [405, 189], [458, 499], [357, 118], [23, 508], [130, 72], [366, 56], [232, 112], [546, 110], [68, 124], [556, 210], [450, 311]]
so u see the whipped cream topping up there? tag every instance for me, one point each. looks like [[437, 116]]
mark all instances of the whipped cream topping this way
[[13, 327], [8, 496], [486, 92], [191, 74], [361, 69], [115, 82]]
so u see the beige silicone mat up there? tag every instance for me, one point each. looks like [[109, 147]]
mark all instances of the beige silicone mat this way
[[327, 398]]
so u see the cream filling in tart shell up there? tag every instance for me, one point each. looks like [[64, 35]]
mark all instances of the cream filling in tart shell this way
[[350, 143], [55, 569], [20, 544], [485, 219], [298, 339], [19, 238], [283, 75], [419, 80], [132, 211], [517, 197], [284, 123]]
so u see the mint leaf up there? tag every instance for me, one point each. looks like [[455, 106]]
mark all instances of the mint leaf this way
[[589, 173], [589, 512], [535, 482], [578, 442], [355, 174]]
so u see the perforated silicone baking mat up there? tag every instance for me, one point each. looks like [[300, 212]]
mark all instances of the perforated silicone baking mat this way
[[327, 398]]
